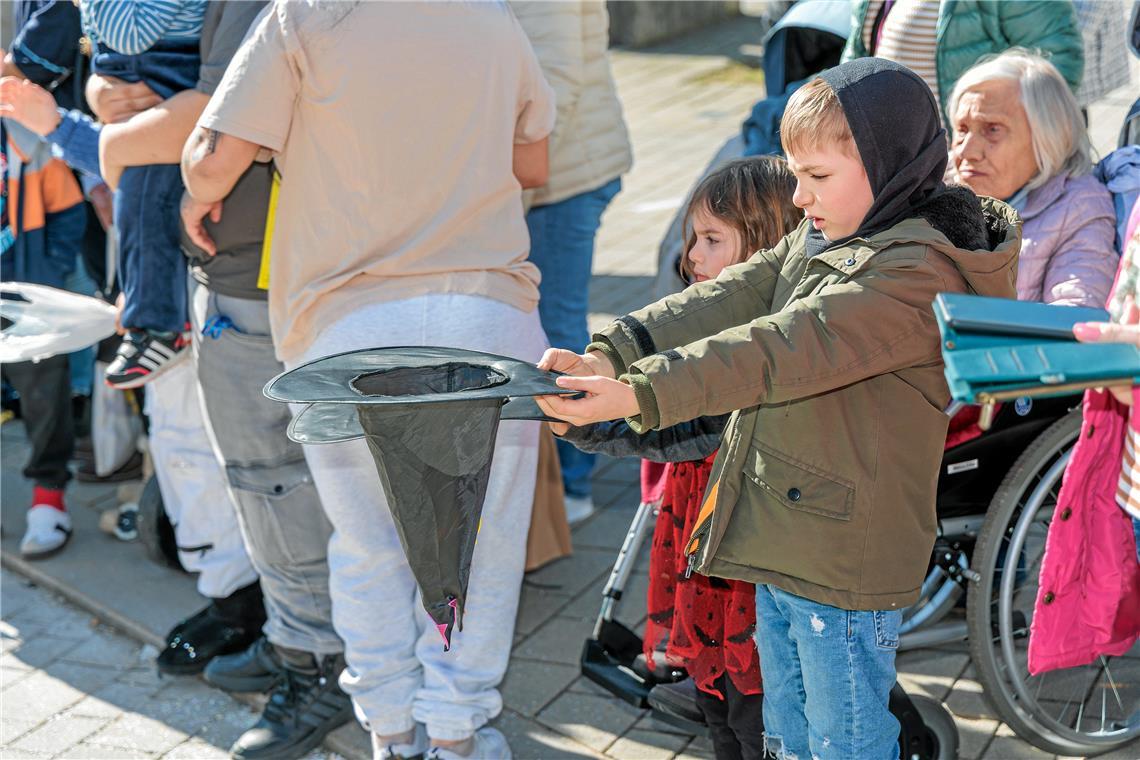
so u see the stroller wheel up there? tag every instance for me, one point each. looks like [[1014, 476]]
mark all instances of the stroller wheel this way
[[154, 528], [941, 741]]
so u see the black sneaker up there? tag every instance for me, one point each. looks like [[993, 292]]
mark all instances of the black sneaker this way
[[143, 356], [257, 669], [226, 626], [305, 706]]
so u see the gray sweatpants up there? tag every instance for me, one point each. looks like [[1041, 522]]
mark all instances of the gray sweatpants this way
[[284, 529], [397, 672]]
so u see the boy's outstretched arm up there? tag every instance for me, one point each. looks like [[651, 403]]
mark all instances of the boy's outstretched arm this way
[[740, 294], [872, 325]]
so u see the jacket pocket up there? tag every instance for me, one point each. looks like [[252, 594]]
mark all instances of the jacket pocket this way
[[800, 486]]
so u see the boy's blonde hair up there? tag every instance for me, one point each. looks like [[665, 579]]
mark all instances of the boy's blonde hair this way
[[814, 116], [752, 195]]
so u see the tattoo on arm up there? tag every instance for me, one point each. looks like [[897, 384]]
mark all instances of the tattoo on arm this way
[[206, 143]]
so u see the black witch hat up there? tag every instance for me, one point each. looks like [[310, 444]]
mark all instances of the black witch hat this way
[[430, 417]]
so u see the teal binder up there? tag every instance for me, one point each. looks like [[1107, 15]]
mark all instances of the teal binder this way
[[999, 350]]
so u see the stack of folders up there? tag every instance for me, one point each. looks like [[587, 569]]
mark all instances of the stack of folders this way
[[999, 350]]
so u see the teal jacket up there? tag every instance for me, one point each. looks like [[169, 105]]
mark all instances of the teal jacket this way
[[971, 29]]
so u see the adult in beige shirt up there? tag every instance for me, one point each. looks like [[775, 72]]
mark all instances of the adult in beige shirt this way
[[396, 127]]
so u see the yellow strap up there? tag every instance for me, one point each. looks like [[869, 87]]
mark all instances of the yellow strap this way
[[270, 222]]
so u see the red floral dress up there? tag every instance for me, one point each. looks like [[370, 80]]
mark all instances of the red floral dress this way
[[705, 625]]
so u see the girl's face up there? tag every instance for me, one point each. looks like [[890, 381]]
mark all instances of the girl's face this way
[[718, 245]]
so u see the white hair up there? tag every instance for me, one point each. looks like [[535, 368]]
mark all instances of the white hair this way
[[1057, 129]]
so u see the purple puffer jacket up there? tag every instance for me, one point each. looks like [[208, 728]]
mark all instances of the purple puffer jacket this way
[[1068, 244]]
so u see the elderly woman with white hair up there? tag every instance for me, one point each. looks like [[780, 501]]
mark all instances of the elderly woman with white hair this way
[[1019, 136]]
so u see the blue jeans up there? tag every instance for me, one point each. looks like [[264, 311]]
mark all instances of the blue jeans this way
[[152, 268], [562, 247], [167, 68], [827, 675]]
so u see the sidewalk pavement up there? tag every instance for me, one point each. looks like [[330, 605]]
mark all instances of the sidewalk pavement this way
[[73, 688]]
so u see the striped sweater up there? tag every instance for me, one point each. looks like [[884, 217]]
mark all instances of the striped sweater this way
[[131, 27]]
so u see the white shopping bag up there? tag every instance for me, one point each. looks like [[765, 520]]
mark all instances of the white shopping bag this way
[[48, 321], [115, 425]]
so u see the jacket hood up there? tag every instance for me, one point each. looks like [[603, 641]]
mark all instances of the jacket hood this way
[[897, 128], [982, 236]]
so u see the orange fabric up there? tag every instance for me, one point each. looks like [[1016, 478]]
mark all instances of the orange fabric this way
[[48, 191]]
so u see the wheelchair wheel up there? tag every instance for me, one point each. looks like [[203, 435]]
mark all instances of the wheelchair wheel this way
[[1073, 711]]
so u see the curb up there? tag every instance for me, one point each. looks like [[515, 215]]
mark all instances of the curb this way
[[124, 625]]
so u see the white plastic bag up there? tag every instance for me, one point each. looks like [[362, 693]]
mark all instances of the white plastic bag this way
[[48, 321], [115, 425]]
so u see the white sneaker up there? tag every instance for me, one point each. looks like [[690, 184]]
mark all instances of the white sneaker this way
[[49, 529], [490, 744], [578, 508], [417, 748]]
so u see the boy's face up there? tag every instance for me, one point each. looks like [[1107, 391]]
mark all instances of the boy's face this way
[[717, 246], [831, 187]]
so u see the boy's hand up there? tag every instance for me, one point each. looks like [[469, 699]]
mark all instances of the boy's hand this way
[[28, 104], [592, 364], [606, 399]]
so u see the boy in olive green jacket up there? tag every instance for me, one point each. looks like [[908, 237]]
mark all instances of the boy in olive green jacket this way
[[824, 488]]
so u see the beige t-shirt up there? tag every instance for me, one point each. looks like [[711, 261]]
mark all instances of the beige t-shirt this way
[[394, 126]]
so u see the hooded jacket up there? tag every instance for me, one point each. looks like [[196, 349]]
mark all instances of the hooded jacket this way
[[825, 483], [969, 30]]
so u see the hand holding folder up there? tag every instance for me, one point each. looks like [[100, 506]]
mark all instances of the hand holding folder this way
[[999, 350]]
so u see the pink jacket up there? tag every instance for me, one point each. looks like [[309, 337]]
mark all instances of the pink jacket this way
[[1088, 600], [1068, 250]]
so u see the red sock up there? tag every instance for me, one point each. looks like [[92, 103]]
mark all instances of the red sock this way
[[48, 497]]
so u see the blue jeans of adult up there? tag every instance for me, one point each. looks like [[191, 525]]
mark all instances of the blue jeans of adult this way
[[562, 247], [828, 674]]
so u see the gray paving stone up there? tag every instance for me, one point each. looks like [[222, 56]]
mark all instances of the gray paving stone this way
[[10, 730], [596, 722], [224, 729], [650, 723], [647, 745], [1012, 748], [116, 698], [605, 530], [570, 575], [698, 749], [19, 754], [974, 736], [196, 749], [38, 697], [88, 751], [559, 641], [103, 648], [139, 733], [531, 740], [966, 700], [537, 604], [38, 652], [86, 678], [530, 686], [57, 736]]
